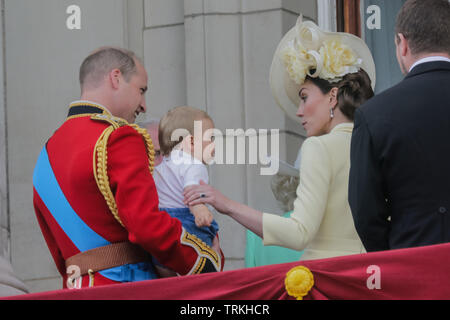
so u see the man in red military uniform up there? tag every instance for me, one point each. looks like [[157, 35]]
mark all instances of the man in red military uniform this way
[[94, 195]]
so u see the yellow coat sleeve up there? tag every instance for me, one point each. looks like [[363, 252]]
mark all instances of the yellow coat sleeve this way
[[311, 203]]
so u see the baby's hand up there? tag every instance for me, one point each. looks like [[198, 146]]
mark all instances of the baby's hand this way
[[203, 219]]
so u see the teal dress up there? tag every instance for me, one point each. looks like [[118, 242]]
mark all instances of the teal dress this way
[[256, 254]]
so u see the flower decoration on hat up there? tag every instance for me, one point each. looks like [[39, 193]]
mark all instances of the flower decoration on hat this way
[[308, 50], [311, 50]]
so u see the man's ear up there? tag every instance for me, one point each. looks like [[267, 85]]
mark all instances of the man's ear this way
[[402, 44], [115, 77]]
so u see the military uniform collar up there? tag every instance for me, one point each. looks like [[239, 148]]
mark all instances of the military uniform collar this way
[[82, 108]]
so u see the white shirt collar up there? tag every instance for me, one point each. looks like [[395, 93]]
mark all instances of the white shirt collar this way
[[429, 59], [179, 156]]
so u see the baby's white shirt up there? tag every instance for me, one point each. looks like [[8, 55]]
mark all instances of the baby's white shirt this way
[[173, 174]]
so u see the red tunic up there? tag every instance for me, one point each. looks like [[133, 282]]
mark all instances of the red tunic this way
[[70, 153]]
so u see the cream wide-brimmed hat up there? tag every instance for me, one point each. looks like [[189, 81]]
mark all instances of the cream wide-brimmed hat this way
[[305, 48]]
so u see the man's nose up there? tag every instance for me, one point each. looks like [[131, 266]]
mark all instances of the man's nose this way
[[143, 105]]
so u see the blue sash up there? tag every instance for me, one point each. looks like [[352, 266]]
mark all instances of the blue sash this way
[[82, 236]]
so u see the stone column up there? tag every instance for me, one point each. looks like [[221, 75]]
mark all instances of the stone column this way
[[9, 283], [4, 215]]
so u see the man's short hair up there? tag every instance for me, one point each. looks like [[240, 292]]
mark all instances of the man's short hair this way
[[102, 61], [426, 25]]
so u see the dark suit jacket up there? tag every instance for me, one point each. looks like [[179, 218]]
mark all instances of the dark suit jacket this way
[[399, 188]]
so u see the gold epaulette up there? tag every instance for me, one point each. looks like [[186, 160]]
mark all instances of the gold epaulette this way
[[100, 157]]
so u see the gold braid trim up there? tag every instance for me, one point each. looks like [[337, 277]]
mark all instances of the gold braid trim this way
[[101, 174], [203, 250], [79, 116], [100, 159], [200, 265], [149, 144]]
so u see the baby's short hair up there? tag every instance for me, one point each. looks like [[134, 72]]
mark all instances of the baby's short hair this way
[[183, 117]]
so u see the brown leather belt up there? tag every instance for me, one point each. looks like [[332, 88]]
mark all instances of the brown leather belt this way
[[106, 257]]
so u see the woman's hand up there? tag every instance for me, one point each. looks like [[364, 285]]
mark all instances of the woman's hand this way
[[248, 217], [204, 193]]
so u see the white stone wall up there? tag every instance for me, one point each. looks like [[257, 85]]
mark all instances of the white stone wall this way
[[42, 62], [211, 54]]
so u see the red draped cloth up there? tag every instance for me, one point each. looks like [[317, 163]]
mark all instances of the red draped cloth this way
[[415, 273]]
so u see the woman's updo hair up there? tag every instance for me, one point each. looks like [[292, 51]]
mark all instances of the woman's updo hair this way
[[284, 189], [353, 90]]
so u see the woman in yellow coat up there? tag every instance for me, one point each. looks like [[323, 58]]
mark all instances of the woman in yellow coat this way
[[319, 78]]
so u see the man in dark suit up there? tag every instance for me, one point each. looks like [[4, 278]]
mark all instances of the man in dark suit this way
[[399, 188]]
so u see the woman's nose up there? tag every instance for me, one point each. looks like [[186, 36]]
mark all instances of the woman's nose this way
[[300, 111]]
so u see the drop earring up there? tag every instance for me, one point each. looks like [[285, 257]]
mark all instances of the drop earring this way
[[331, 113]]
